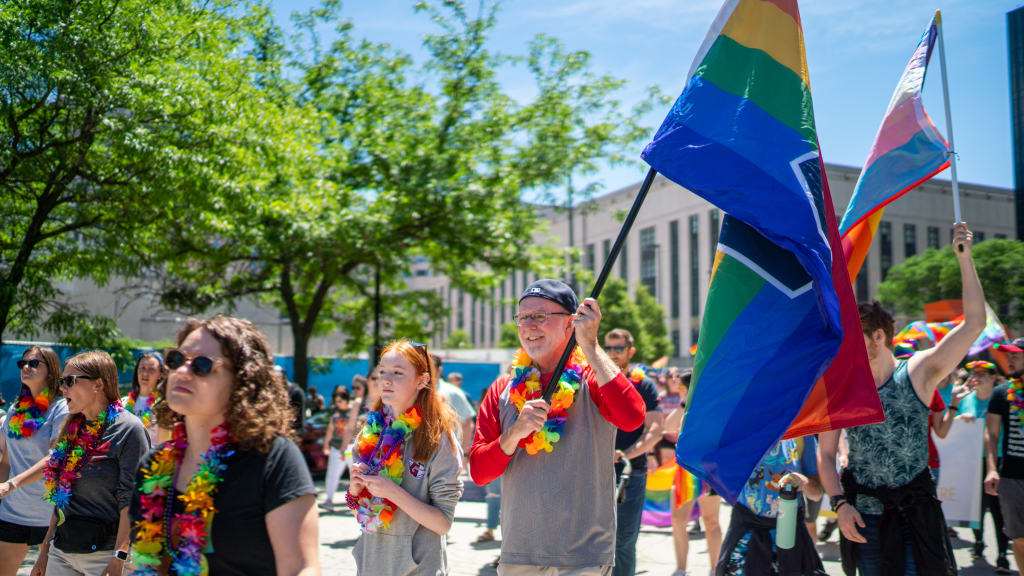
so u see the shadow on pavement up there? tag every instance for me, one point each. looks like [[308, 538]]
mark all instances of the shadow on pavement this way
[[342, 544]]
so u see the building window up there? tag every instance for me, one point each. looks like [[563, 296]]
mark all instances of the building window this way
[[624, 261], [1000, 236], [460, 316], [885, 252], [472, 320], [606, 250], [494, 314], [649, 261], [713, 216], [909, 240], [673, 266], [979, 236], [933, 237], [862, 284], [694, 265], [590, 258], [502, 303], [515, 293], [694, 336], [676, 348]]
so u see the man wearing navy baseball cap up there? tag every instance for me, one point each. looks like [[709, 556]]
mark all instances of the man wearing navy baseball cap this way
[[555, 461]]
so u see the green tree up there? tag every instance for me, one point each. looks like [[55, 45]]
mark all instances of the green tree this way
[[640, 315], [110, 111], [457, 339], [509, 337], [935, 275], [368, 159]]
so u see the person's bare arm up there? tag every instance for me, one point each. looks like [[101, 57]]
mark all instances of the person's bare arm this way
[[849, 518], [993, 427], [653, 431], [928, 367], [294, 537]]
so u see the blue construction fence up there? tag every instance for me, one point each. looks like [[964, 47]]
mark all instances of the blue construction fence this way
[[331, 371]]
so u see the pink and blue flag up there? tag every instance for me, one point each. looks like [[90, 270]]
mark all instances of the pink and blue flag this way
[[908, 150]]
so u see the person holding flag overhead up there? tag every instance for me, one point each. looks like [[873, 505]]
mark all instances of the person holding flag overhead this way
[[565, 447], [890, 517]]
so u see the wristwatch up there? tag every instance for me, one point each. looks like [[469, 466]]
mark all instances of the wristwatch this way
[[120, 555]]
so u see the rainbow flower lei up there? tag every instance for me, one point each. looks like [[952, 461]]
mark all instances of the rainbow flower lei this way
[[1015, 397], [636, 375], [146, 415], [71, 452], [29, 413], [526, 386], [152, 532], [380, 447]]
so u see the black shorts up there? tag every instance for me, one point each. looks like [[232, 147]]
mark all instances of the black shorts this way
[[18, 534]]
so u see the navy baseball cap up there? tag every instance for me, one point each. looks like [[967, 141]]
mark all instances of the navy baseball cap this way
[[554, 290]]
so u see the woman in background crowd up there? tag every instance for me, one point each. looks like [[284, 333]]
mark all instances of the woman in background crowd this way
[[230, 460], [405, 479], [149, 371], [33, 422], [90, 474], [335, 442]]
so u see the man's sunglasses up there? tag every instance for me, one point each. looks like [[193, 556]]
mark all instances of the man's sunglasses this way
[[69, 381], [199, 365], [616, 349], [33, 363]]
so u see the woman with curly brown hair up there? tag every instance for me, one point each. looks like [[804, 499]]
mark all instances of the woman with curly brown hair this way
[[33, 422], [230, 492], [405, 480]]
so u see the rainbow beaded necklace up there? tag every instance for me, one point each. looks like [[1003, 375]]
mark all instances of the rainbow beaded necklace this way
[[71, 452], [153, 532], [380, 447], [1015, 397], [29, 413], [146, 414], [526, 386]]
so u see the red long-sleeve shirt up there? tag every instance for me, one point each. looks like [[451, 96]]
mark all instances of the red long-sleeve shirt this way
[[618, 402]]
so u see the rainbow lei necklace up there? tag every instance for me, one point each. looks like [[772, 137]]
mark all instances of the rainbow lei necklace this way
[[29, 413], [380, 446], [145, 415], [636, 375], [152, 532], [526, 386], [1015, 397], [71, 452]]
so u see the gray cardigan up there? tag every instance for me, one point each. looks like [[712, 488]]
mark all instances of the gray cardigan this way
[[406, 548]]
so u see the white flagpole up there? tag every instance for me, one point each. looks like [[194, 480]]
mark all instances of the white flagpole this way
[[949, 120]]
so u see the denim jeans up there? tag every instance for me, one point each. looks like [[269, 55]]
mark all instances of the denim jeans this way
[[493, 498], [869, 555], [628, 514]]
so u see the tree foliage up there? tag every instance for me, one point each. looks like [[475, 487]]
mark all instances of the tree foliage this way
[[935, 275], [368, 159], [111, 113], [509, 336], [457, 339], [641, 315]]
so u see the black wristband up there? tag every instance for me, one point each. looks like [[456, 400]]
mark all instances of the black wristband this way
[[839, 505]]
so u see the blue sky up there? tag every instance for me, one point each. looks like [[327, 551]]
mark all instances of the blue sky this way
[[856, 51]]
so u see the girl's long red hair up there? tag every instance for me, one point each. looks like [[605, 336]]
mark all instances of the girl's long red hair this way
[[437, 415]]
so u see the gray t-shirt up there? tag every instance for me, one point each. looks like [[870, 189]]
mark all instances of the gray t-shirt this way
[[25, 506], [107, 479]]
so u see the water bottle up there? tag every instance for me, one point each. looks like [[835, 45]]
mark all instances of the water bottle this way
[[785, 523]]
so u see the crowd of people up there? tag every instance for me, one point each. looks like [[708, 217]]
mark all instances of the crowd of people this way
[[196, 470]]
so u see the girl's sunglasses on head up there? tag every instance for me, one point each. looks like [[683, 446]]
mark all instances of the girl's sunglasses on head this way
[[199, 365]]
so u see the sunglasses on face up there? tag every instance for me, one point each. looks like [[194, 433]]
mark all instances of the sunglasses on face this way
[[33, 363], [616, 349], [69, 381], [199, 365]]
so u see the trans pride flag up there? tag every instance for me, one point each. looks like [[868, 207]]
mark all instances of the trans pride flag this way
[[907, 151], [742, 136]]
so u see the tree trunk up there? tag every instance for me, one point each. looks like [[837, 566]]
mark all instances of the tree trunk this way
[[300, 356]]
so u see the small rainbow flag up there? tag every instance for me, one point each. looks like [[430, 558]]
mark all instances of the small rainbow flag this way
[[936, 331], [908, 150], [658, 496]]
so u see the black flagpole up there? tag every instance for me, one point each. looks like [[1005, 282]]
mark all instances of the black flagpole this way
[[601, 278]]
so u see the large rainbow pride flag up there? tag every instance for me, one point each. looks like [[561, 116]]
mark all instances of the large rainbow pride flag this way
[[742, 135], [908, 150]]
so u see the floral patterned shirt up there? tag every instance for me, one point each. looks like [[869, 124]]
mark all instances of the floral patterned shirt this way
[[893, 452]]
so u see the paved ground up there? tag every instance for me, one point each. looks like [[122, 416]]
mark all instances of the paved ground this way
[[339, 531]]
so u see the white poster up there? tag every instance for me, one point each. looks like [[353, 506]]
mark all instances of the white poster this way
[[960, 477]]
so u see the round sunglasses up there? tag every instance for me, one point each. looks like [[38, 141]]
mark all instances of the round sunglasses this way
[[199, 365]]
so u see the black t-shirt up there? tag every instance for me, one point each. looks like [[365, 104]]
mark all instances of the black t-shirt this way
[[649, 392], [253, 485], [1013, 435]]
